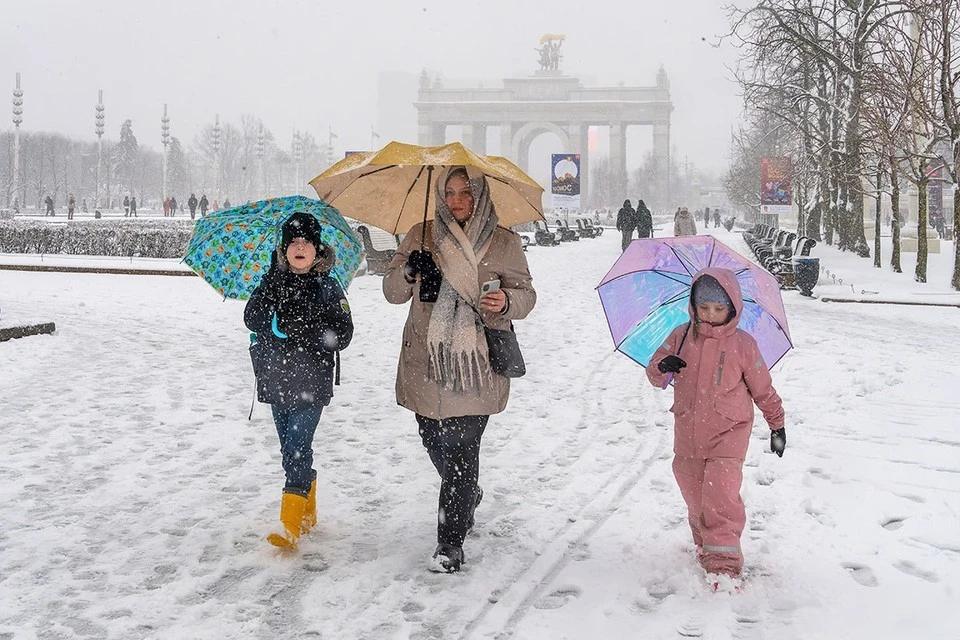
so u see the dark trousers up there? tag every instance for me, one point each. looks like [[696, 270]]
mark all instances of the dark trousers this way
[[454, 448], [627, 237], [296, 428]]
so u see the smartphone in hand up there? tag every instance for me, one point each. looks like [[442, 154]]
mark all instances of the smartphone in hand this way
[[489, 286]]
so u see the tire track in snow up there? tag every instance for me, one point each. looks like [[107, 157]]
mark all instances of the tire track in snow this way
[[502, 613]]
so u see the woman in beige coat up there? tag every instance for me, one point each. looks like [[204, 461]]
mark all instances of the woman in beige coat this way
[[444, 375]]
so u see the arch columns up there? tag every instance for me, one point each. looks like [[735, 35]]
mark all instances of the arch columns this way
[[522, 137]]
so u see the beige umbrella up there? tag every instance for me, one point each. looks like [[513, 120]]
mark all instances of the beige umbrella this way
[[392, 188]]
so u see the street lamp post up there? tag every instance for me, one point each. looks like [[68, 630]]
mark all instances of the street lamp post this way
[[17, 119], [99, 130], [215, 143], [260, 149], [297, 156], [165, 140]]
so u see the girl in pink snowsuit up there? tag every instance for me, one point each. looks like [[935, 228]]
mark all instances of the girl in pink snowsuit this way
[[719, 375]]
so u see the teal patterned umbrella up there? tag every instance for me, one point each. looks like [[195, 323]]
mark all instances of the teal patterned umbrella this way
[[231, 249]]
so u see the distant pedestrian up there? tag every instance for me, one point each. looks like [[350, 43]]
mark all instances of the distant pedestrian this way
[[644, 220], [204, 203], [226, 204], [133, 206], [48, 202], [192, 204], [716, 217], [684, 224], [166, 207], [83, 205], [626, 223], [216, 205], [173, 207], [706, 217], [126, 206], [71, 206]]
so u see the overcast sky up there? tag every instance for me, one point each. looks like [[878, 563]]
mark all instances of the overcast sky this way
[[314, 64]]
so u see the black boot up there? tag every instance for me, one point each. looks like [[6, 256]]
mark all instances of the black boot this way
[[475, 505], [447, 559]]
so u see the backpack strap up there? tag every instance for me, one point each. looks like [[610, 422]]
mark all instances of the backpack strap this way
[[336, 371]]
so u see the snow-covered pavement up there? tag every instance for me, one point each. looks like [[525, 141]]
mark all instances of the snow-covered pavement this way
[[134, 492]]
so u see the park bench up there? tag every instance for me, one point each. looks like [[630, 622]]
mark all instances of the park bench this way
[[566, 233], [544, 237], [590, 225], [586, 230]]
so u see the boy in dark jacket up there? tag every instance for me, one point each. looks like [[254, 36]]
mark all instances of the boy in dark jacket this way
[[302, 320]]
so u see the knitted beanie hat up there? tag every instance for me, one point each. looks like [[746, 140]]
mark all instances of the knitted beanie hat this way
[[707, 289], [300, 225]]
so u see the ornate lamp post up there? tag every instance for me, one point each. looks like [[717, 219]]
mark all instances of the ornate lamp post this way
[[99, 130], [297, 156], [165, 140], [17, 119], [260, 149], [215, 143]]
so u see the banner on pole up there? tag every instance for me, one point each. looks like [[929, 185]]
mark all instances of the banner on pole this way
[[565, 180], [776, 191]]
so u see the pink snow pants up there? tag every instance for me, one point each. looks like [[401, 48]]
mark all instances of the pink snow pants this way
[[711, 489]]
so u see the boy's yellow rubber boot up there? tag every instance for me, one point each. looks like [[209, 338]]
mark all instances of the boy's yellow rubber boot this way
[[310, 512], [291, 517]]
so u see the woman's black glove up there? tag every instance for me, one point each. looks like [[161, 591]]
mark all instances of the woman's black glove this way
[[421, 263], [778, 441], [671, 364]]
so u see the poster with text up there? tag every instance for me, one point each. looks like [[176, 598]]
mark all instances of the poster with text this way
[[776, 191], [565, 180]]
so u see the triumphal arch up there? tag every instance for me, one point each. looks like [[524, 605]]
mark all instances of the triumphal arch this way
[[549, 101]]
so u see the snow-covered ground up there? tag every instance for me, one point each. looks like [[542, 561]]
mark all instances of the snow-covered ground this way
[[134, 492]]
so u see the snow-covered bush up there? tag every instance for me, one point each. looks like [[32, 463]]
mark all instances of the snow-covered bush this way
[[145, 238]]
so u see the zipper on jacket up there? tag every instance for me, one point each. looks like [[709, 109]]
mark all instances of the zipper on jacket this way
[[720, 367]]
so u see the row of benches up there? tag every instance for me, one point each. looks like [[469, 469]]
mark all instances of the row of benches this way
[[776, 249], [379, 259], [546, 238]]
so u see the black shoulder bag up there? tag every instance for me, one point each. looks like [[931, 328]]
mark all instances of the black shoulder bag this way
[[503, 348]]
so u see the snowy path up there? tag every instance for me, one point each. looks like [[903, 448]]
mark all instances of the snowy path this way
[[134, 493]]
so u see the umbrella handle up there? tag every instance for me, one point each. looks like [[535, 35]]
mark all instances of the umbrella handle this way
[[426, 208], [667, 381]]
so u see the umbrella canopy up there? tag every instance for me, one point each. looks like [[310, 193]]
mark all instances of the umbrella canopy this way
[[391, 188], [646, 294], [232, 248]]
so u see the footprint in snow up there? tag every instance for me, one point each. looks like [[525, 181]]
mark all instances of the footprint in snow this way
[[558, 597], [913, 570], [862, 574], [892, 524]]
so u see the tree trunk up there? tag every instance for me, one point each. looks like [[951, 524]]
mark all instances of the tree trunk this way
[[955, 281], [895, 217], [921, 272], [876, 223]]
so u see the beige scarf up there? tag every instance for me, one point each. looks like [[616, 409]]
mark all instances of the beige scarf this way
[[455, 337]]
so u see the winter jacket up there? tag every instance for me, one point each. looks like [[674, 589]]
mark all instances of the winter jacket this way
[[684, 224], [204, 203], [626, 218], [644, 222], [504, 260], [312, 311], [714, 394], [192, 203]]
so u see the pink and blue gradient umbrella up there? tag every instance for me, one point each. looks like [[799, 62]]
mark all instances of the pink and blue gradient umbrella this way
[[646, 294]]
